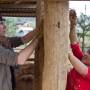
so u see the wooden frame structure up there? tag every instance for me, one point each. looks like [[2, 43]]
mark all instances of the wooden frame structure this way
[[53, 74], [51, 53], [21, 7], [18, 8]]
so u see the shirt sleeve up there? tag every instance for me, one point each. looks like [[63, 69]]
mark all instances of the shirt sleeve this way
[[15, 41], [77, 50], [7, 56]]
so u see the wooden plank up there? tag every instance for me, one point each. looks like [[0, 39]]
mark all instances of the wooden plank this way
[[25, 2], [18, 6], [40, 49], [19, 14], [18, 10], [16, 1], [30, 1]]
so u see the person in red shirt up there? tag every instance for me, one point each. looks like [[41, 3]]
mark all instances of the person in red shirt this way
[[79, 76]]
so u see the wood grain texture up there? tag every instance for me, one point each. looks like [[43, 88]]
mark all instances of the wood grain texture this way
[[56, 28]]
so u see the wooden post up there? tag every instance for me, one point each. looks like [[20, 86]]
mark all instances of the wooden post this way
[[56, 29], [39, 53]]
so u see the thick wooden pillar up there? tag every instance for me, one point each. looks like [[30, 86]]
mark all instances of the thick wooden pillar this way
[[56, 29]]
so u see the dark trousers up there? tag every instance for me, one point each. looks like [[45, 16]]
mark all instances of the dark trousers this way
[[13, 80]]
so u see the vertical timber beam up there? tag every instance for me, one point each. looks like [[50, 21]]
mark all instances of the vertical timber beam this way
[[39, 53], [56, 29]]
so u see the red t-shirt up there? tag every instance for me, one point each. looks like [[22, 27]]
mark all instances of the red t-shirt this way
[[76, 81]]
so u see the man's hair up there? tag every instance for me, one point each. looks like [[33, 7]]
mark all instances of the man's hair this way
[[1, 20]]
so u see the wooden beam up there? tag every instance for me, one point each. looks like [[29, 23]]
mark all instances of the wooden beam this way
[[25, 2], [6, 1], [18, 6], [29, 1], [18, 10], [22, 9], [39, 62], [19, 14], [17, 1]]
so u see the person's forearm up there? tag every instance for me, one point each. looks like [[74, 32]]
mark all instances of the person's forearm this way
[[78, 65], [73, 34], [73, 24], [30, 36], [25, 53]]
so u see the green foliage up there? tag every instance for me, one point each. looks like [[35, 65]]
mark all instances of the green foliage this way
[[11, 25], [12, 22], [83, 28]]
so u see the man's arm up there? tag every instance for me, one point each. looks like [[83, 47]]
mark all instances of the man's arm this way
[[73, 35], [9, 57], [28, 37], [26, 52], [17, 41], [78, 65], [73, 21]]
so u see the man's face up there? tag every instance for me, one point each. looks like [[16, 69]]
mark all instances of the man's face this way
[[2, 30], [86, 59]]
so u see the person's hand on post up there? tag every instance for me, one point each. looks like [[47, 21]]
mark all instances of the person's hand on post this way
[[36, 38], [69, 52]]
